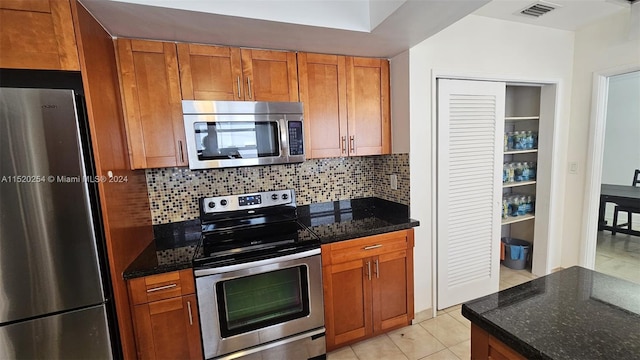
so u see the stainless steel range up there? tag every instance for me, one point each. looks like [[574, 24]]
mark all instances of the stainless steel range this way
[[258, 279]]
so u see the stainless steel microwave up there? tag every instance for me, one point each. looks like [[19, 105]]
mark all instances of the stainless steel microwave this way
[[242, 133]]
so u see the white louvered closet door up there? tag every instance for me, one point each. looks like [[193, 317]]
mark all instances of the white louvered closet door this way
[[469, 183]]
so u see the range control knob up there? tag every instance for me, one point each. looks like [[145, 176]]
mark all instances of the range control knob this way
[[211, 204], [285, 196], [274, 196], [223, 202]]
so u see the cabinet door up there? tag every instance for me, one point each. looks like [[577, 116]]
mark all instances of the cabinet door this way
[[347, 295], [168, 329], [368, 106], [37, 34], [210, 72], [323, 90], [152, 103], [392, 290], [269, 75]]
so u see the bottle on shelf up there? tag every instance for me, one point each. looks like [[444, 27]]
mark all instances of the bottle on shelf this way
[[532, 170], [518, 205], [520, 140], [505, 209], [518, 171]]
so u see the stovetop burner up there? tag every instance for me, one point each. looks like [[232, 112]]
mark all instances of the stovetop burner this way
[[250, 227]]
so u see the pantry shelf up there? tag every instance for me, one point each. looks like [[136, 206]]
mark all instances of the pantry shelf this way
[[515, 219], [518, 183], [511, 152], [518, 118]]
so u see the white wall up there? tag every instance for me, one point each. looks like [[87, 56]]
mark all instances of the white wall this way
[[604, 45], [622, 137], [483, 47], [399, 83], [347, 15], [379, 10]]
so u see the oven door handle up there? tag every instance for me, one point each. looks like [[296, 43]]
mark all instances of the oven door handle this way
[[252, 264]]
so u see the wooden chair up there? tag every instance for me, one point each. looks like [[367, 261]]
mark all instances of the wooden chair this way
[[630, 210]]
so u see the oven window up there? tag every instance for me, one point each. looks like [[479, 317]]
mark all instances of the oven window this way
[[236, 139], [261, 300]]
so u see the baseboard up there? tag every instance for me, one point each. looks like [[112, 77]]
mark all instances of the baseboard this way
[[422, 316]]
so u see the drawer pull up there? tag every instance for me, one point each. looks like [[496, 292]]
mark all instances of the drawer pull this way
[[371, 247], [190, 316], [239, 94], [162, 288]]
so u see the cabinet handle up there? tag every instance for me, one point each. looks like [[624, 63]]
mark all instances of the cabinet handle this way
[[377, 268], [344, 144], [371, 247], [238, 81], [352, 142], [249, 86], [181, 152], [369, 269], [161, 288], [190, 316]]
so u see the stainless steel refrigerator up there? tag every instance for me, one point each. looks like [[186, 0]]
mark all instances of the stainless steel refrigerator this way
[[52, 296]]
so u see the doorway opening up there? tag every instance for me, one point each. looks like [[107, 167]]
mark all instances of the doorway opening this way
[[611, 163]]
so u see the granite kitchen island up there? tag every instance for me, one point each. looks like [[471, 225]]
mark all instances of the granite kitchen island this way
[[575, 313]]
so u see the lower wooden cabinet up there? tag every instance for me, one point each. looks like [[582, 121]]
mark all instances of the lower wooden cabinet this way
[[165, 316], [368, 286], [485, 346]]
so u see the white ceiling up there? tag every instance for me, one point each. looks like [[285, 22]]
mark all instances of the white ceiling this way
[[378, 28], [569, 15]]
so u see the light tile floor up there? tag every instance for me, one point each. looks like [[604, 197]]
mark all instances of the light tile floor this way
[[619, 255], [445, 337]]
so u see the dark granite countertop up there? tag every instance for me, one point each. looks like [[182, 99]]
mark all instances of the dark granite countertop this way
[[172, 249], [175, 243], [350, 219], [575, 313]]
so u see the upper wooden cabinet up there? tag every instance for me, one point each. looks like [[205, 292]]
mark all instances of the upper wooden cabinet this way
[[225, 73], [210, 72], [346, 104], [368, 286], [37, 34], [368, 106], [323, 91], [152, 104]]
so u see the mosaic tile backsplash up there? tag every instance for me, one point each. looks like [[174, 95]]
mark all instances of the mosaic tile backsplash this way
[[174, 192]]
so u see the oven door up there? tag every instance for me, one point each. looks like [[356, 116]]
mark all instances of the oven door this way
[[250, 304]]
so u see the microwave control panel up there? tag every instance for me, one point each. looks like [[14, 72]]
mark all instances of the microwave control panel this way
[[296, 144]]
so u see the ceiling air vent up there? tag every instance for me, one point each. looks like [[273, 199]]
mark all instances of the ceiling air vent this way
[[538, 9]]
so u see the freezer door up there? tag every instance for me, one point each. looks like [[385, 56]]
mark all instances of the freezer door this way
[[80, 334], [48, 259]]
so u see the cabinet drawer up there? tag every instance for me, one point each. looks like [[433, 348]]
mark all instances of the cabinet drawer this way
[[343, 251], [161, 286]]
